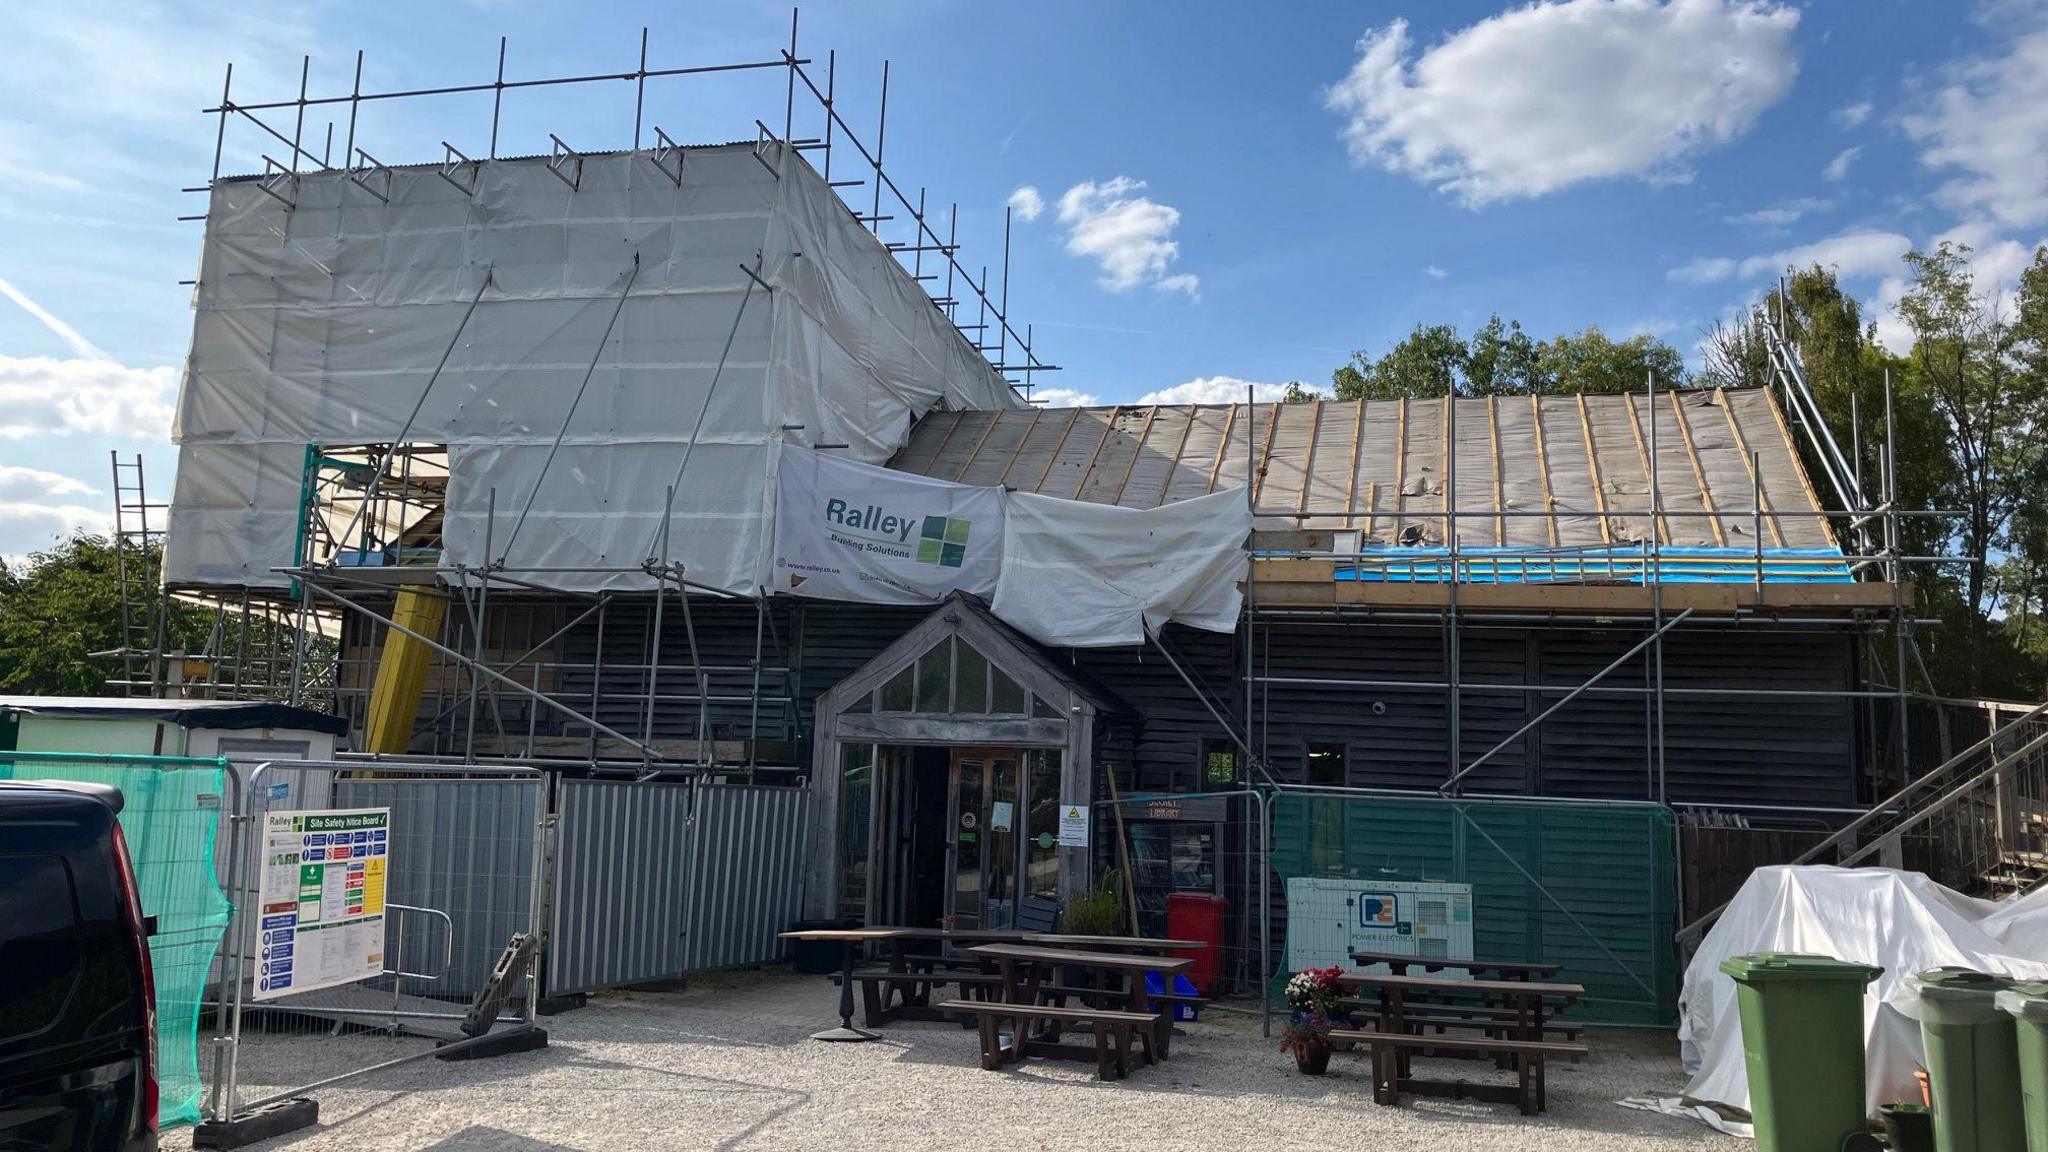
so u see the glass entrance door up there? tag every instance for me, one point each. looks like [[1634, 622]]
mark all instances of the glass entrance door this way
[[986, 806]]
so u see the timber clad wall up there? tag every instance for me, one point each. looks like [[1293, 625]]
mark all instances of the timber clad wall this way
[[1719, 749]]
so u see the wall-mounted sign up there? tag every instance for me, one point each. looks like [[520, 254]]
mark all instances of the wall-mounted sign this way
[[1073, 826]]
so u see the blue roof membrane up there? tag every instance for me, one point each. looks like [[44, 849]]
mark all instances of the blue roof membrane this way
[[1618, 565]]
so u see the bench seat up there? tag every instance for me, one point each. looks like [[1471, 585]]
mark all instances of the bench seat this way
[[1390, 1053], [1112, 1030]]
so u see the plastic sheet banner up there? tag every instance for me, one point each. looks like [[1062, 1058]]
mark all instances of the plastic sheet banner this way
[[1086, 575], [851, 531]]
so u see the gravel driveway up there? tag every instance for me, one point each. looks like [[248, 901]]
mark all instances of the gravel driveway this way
[[727, 1064]]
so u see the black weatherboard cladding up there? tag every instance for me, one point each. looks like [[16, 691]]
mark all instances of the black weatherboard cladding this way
[[1718, 749]]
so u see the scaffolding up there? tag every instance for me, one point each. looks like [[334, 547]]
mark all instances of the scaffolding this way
[[372, 513]]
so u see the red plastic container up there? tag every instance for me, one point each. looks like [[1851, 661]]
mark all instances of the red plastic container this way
[[1198, 916]]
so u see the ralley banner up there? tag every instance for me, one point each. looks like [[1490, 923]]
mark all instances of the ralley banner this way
[[851, 531]]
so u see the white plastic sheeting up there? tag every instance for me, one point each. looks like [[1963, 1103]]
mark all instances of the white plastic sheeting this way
[[1900, 921], [851, 531], [322, 323], [1095, 576]]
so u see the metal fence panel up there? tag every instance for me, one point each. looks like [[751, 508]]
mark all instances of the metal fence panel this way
[[747, 864], [620, 881], [464, 847], [655, 880]]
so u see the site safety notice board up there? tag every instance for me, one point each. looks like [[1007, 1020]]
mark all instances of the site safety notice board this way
[[322, 896]]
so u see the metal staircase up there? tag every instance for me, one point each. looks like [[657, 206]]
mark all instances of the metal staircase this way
[[1978, 823]]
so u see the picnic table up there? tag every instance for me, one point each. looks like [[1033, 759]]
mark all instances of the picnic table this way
[[1141, 944], [1398, 965], [1027, 992], [1512, 1014], [847, 939]]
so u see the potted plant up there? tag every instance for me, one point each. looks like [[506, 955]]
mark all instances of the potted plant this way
[[1311, 1000], [1908, 1127], [1097, 913]]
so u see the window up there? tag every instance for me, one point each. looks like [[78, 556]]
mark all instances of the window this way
[[970, 680], [897, 693], [1042, 795], [40, 946], [856, 800], [1006, 696], [1219, 765], [1326, 764], [935, 678]]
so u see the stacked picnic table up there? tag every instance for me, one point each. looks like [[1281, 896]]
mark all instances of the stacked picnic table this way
[[1500, 1011], [1021, 991]]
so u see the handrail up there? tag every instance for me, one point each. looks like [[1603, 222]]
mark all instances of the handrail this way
[[1892, 804], [1926, 779]]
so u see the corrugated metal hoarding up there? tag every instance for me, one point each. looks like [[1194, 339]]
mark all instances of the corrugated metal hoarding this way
[[654, 880]]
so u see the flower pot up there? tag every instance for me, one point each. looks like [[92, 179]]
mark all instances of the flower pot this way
[[1908, 1128], [1312, 1057]]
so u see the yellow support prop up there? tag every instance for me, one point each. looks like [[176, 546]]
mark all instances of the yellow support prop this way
[[402, 671]]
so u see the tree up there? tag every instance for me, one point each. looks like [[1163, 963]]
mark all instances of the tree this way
[[65, 604], [1977, 367], [1500, 359]]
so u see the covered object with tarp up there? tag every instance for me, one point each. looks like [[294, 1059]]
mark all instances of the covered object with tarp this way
[[1902, 922], [605, 331]]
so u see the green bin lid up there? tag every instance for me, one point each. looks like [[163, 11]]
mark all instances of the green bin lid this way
[[1797, 966], [1963, 985], [2027, 1000]]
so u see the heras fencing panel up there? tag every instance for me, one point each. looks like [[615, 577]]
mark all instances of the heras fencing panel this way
[[170, 816], [377, 916], [654, 880], [1591, 887]]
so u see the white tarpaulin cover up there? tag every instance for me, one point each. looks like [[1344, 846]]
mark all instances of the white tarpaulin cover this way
[[1095, 576], [851, 531], [1900, 921], [320, 323]]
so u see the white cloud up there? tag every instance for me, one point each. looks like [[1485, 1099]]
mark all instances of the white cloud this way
[[44, 396], [18, 483], [1555, 93], [1129, 236], [1186, 282], [1787, 212], [26, 526], [1851, 116], [1213, 390], [1987, 130], [1851, 254], [1027, 202], [1434, 272], [1839, 166], [1065, 398]]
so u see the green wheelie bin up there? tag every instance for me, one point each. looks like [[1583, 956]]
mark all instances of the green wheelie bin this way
[[1802, 1039], [1973, 1066], [2028, 1006]]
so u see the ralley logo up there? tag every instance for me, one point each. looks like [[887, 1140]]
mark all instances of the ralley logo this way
[[944, 541], [941, 540]]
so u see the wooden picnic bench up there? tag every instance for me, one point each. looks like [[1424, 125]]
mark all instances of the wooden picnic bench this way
[[903, 986], [1398, 965], [1389, 1053], [1511, 1016], [1033, 1001]]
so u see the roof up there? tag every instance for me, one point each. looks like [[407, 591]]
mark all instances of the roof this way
[[1532, 471], [184, 713]]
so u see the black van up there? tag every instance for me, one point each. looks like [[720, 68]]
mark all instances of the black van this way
[[77, 1005]]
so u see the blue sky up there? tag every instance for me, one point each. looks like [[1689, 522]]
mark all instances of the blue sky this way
[[1223, 192]]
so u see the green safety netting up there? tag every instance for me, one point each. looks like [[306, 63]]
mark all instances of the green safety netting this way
[[170, 814], [1591, 887]]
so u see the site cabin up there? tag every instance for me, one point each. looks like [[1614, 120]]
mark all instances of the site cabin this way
[[511, 437]]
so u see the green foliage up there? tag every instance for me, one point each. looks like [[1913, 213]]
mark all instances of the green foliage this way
[[1500, 359], [64, 604], [1097, 913]]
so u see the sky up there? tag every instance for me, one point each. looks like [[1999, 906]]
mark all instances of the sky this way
[[1205, 195]]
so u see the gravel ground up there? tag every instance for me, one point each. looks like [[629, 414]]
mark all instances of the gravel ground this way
[[727, 1064]]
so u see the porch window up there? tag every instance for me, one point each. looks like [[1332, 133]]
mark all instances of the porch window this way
[[953, 677], [856, 798], [1042, 794]]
